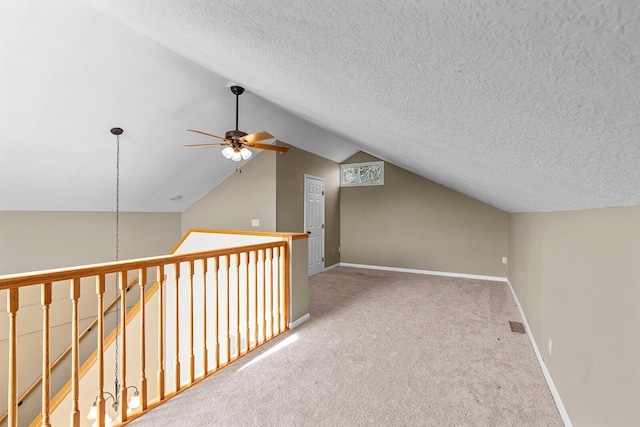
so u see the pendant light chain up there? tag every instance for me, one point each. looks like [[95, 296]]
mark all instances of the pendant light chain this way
[[116, 373]]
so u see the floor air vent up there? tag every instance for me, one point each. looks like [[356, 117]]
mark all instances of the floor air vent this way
[[516, 327]]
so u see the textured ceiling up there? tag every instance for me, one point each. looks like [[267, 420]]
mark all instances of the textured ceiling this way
[[527, 106]]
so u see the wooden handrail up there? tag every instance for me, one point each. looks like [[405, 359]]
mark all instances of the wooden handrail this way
[[66, 352], [283, 236], [14, 281]]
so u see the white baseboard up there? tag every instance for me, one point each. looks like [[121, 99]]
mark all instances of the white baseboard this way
[[300, 321], [543, 366], [432, 273], [331, 267]]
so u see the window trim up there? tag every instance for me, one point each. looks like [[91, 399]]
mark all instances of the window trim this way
[[361, 184]]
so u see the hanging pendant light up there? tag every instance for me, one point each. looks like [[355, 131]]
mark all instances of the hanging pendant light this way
[[135, 399]]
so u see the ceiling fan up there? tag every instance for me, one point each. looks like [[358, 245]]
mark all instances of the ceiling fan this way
[[237, 142]]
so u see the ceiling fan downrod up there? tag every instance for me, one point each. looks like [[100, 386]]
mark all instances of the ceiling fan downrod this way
[[235, 135], [237, 91]]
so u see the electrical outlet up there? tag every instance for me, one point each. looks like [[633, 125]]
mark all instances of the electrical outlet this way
[[504, 259], [550, 346], [255, 223]]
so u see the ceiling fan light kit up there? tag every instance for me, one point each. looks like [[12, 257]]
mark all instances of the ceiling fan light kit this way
[[237, 142], [236, 154]]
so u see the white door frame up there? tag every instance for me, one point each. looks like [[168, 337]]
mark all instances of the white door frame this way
[[306, 229]]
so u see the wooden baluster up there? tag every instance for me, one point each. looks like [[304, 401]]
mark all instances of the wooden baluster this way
[[281, 289], [255, 297], [205, 352], [216, 343], [176, 320], [46, 369], [269, 294], [284, 301], [263, 264], [236, 265], [100, 288], [142, 281], [160, 332], [12, 308], [192, 359], [275, 324], [246, 302], [227, 326], [75, 352], [122, 408]]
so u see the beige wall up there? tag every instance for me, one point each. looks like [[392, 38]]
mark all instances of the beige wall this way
[[32, 241], [291, 168], [577, 276], [240, 198], [299, 298], [412, 222]]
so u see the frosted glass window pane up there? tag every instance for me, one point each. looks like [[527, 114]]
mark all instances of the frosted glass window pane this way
[[362, 174]]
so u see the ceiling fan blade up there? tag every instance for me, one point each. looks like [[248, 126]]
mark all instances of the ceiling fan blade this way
[[250, 140], [206, 134], [279, 148], [212, 144]]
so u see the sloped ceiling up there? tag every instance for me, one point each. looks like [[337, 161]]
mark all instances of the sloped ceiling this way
[[527, 106]]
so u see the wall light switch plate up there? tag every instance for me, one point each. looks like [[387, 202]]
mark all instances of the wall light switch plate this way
[[504, 259], [255, 223]]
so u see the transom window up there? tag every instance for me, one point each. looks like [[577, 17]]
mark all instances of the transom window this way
[[358, 174]]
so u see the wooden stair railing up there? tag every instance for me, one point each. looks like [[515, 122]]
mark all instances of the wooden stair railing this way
[[46, 382], [245, 289]]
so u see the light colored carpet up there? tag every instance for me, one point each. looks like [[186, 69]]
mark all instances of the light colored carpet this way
[[382, 348]]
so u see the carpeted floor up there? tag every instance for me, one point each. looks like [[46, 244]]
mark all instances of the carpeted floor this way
[[381, 348]]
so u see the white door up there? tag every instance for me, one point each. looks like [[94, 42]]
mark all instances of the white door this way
[[314, 221]]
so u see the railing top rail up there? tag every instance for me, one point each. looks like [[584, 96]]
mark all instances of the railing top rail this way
[[291, 235], [12, 281], [282, 235]]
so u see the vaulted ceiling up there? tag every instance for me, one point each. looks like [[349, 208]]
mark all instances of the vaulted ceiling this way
[[527, 106]]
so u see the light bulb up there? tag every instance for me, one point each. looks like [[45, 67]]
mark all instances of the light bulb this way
[[245, 153], [228, 152], [236, 156], [93, 412]]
